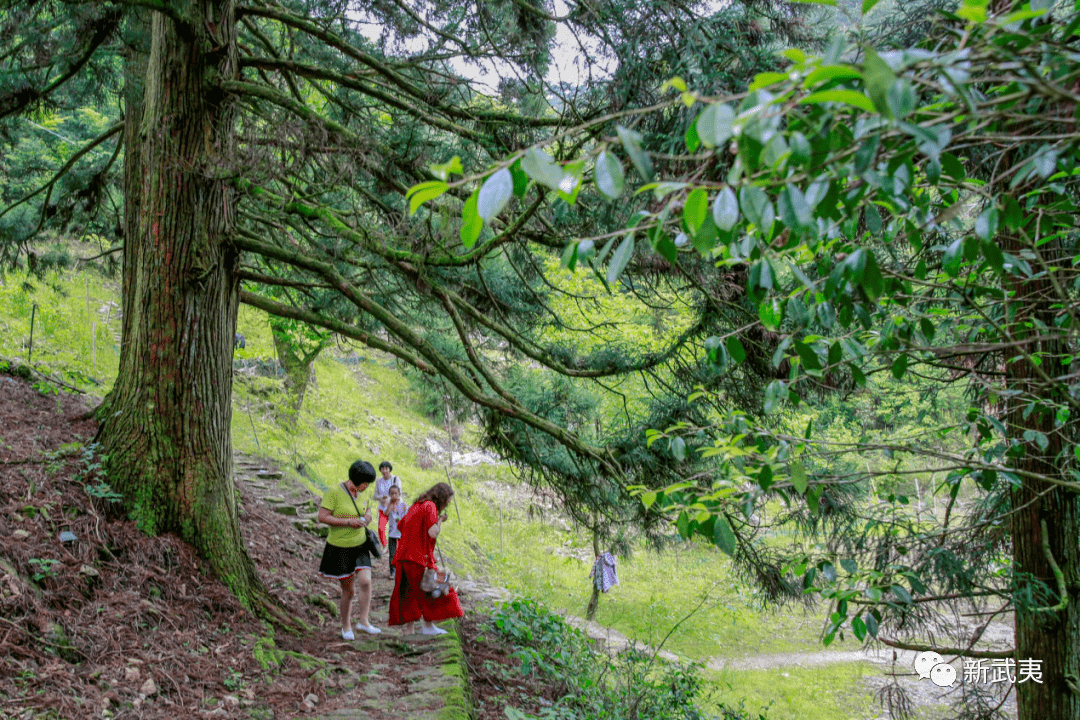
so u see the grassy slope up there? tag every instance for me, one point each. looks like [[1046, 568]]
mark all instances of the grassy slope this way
[[376, 417]]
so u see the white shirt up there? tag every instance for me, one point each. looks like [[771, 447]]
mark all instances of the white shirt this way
[[382, 490]]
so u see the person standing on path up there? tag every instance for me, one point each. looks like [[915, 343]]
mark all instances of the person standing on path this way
[[396, 509], [347, 554], [416, 552], [382, 495]]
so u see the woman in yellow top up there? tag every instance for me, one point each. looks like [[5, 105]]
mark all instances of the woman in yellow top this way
[[347, 554]]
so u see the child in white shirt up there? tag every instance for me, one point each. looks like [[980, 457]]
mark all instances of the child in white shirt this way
[[395, 510]]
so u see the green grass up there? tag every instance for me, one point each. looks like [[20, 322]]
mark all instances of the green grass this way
[[831, 692]]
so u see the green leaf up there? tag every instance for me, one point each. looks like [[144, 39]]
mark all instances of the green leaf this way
[[521, 180], [570, 256], [901, 593], [986, 224], [798, 477], [1038, 438], [620, 258], [899, 366], [735, 349], [678, 448], [494, 194], [667, 249], [714, 125], [954, 255], [648, 499], [807, 355], [696, 209], [757, 207], [420, 194], [868, 5], [847, 97], [830, 3], [723, 535], [693, 140], [540, 166], [609, 175], [871, 624], [471, 222], [794, 210], [725, 210], [858, 627], [444, 170], [771, 313], [879, 78], [631, 142], [901, 99]]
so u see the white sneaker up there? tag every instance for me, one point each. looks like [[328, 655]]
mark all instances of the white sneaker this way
[[369, 629], [347, 635], [433, 630]]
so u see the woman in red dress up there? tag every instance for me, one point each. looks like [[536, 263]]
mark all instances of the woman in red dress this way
[[415, 552]]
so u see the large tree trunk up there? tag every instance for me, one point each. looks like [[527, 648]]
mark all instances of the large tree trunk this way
[[1047, 625], [166, 430]]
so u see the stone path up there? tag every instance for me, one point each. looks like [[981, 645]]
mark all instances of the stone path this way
[[431, 668]]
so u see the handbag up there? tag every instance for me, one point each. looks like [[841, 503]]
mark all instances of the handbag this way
[[435, 582], [370, 539]]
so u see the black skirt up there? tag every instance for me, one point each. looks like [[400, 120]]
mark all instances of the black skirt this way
[[341, 562]]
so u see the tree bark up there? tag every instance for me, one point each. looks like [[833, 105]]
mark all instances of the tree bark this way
[[1047, 629], [166, 426]]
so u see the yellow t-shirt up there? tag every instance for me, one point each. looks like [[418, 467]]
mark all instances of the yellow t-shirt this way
[[340, 504]]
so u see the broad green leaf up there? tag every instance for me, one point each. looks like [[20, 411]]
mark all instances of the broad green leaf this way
[[899, 366], [494, 194], [871, 623], [620, 258], [610, 179], [678, 448], [735, 349], [420, 194], [723, 535], [444, 170], [570, 256], [771, 313], [1038, 438], [540, 166], [714, 124], [901, 593], [798, 477], [950, 261], [847, 97], [859, 628], [986, 224], [832, 72], [757, 207], [725, 210], [879, 78], [794, 210], [631, 142], [667, 249], [696, 209], [471, 222], [973, 10], [867, 6], [901, 99]]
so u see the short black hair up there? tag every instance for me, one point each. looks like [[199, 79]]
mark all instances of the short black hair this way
[[386, 464], [361, 472]]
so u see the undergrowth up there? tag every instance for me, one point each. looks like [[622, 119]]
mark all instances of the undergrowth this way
[[591, 685]]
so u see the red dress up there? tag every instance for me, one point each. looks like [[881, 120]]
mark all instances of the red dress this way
[[416, 551]]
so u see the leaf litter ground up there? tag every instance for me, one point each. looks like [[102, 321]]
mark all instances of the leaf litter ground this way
[[118, 624]]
